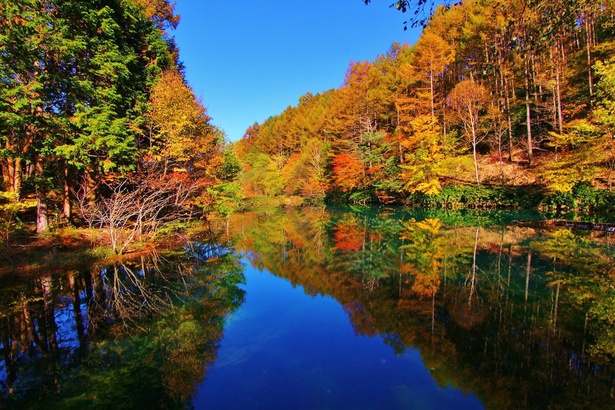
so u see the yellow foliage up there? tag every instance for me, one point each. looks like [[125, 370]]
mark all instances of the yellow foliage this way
[[582, 151], [13, 206], [422, 168], [182, 137], [432, 225]]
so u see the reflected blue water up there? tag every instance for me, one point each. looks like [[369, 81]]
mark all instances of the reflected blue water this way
[[417, 314], [285, 349], [2, 369], [67, 336]]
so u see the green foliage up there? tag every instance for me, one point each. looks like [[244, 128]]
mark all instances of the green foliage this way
[[11, 206], [231, 167], [228, 197], [10, 210], [583, 197], [76, 78], [262, 175], [558, 201], [468, 196], [357, 197], [361, 197]]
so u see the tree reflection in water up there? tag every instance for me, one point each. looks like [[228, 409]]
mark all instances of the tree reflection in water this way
[[137, 334], [521, 317]]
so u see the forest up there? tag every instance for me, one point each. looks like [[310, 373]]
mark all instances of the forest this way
[[498, 104], [105, 149], [97, 121]]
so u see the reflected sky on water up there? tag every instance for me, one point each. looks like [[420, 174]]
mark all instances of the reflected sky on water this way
[[286, 349], [325, 308]]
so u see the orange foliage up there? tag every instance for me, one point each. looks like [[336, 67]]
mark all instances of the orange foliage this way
[[160, 11], [348, 172], [426, 285], [348, 236]]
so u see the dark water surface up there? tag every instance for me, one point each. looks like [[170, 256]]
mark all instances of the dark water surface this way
[[322, 308]]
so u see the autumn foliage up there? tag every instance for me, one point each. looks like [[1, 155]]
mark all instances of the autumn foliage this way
[[93, 99], [348, 172], [492, 93], [348, 236]]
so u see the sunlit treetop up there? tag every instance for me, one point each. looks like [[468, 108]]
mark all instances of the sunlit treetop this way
[[161, 12]]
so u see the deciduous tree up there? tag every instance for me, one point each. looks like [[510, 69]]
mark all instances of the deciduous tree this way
[[468, 101], [433, 56]]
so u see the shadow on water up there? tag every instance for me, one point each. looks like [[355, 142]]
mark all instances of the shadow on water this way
[[138, 334]]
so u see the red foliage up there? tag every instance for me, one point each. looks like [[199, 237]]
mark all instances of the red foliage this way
[[348, 237], [348, 172]]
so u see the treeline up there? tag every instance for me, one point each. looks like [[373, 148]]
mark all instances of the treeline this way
[[94, 104], [505, 93]]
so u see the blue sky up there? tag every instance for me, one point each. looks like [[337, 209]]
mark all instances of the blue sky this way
[[250, 59]]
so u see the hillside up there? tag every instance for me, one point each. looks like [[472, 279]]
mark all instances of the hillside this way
[[493, 93]]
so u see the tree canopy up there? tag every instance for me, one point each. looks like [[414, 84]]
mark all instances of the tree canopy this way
[[519, 94], [91, 92]]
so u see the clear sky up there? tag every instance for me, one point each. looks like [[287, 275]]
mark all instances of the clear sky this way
[[250, 59]]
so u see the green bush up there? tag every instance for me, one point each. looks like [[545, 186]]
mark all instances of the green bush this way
[[478, 197], [582, 198], [354, 197]]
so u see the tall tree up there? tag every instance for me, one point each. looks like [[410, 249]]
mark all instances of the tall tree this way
[[468, 101], [422, 168], [75, 79], [433, 55], [32, 48]]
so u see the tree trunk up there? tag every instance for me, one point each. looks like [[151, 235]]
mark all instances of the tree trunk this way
[[66, 208], [6, 180], [508, 120], [399, 146], [474, 144], [12, 175], [17, 178], [42, 222], [504, 99], [558, 78], [528, 113], [588, 32], [90, 186]]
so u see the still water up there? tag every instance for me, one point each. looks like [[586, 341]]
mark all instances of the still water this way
[[322, 308], [285, 349]]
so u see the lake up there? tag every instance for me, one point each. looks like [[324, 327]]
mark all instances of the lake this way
[[325, 308]]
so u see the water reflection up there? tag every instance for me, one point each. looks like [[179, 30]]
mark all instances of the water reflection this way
[[137, 334], [520, 317]]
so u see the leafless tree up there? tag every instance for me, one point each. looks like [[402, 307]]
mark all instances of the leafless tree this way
[[132, 212]]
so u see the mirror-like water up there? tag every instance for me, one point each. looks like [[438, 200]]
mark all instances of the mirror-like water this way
[[326, 308], [285, 349]]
